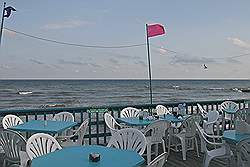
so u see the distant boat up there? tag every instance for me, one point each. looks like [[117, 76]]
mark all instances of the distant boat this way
[[247, 90], [52, 105], [24, 92]]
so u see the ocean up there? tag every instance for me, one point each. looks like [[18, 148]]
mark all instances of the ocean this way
[[85, 93]]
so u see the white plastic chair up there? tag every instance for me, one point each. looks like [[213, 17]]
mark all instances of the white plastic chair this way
[[212, 119], [222, 152], [187, 135], [129, 112], [243, 153], [14, 147], [40, 144], [202, 111], [78, 136], [229, 106], [154, 135], [112, 124], [159, 160], [243, 115], [64, 116], [161, 110], [129, 139], [10, 121]]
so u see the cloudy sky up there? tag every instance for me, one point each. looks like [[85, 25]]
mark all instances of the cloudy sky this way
[[212, 32]]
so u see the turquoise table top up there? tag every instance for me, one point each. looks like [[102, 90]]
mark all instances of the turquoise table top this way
[[231, 136], [40, 126], [135, 121], [230, 111], [79, 157]]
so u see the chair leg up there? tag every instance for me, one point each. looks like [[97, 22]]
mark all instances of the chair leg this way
[[169, 145], [4, 163], [148, 153], [163, 146], [207, 161], [197, 148], [156, 149], [183, 147]]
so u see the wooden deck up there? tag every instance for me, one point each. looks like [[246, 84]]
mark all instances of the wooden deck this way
[[175, 160]]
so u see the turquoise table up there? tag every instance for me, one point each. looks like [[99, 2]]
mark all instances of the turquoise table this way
[[135, 121], [231, 137], [79, 157], [41, 126]]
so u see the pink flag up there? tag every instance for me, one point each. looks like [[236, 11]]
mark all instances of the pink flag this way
[[155, 29]]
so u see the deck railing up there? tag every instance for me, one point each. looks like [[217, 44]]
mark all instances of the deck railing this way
[[97, 132]]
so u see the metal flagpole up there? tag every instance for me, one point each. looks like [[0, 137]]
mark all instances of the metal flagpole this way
[[149, 67], [1, 30]]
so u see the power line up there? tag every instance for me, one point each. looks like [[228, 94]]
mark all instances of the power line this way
[[74, 44], [108, 47]]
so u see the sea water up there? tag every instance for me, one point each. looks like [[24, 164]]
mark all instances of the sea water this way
[[83, 93]]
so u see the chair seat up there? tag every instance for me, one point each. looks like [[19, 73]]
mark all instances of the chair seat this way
[[219, 153], [24, 158], [68, 144]]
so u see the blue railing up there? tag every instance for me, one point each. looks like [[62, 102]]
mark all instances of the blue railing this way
[[98, 133]]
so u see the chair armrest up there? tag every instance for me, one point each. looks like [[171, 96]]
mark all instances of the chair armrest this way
[[209, 123], [213, 136], [216, 143], [123, 125], [64, 138]]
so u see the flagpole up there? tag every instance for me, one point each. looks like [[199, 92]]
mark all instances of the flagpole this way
[[1, 30], [149, 67]]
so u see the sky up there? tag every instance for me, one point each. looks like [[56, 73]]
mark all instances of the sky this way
[[212, 32]]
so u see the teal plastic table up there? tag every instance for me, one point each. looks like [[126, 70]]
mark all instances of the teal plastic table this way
[[79, 157], [41, 126], [135, 121], [230, 136]]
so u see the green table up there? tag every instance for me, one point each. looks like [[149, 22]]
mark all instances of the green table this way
[[79, 157], [41, 126], [230, 136], [135, 121]]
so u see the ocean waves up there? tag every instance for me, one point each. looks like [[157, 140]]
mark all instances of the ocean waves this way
[[37, 93]]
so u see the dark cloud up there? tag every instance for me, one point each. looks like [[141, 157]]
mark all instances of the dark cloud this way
[[37, 62], [113, 61], [140, 62], [187, 60], [62, 61]]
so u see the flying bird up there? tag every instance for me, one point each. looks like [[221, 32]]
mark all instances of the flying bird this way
[[8, 11], [204, 65]]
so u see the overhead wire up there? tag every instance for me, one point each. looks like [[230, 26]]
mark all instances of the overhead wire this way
[[75, 44], [107, 47]]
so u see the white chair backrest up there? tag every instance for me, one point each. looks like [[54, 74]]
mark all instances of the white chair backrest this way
[[111, 122], [128, 139], [182, 109], [202, 135], [40, 144], [129, 112], [243, 115], [161, 110], [189, 125], [12, 143], [156, 130], [64, 116], [243, 153], [201, 110], [229, 105], [81, 131], [213, 116], [159, 160], [10, 121]]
